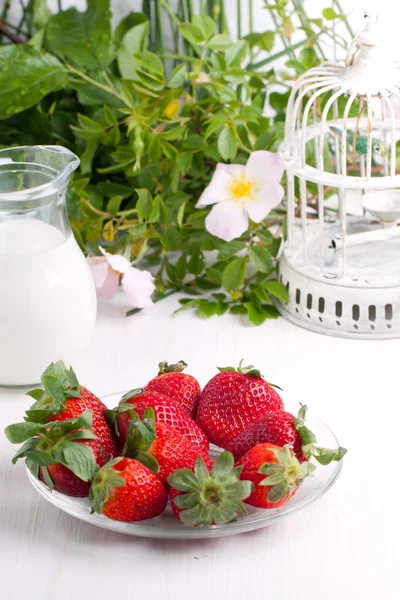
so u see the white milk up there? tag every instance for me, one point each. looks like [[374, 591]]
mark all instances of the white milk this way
[[47, 300]]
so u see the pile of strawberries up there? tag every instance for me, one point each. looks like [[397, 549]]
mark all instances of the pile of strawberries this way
[[155, 445]]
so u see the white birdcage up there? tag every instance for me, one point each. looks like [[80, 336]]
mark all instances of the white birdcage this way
[[341, 260]]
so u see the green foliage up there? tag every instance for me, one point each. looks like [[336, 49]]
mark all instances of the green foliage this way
[[150, 126]]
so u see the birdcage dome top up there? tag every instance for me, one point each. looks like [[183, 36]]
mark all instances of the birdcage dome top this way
[[353, 107]]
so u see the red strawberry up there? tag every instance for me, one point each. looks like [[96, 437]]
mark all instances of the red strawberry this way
[[283, 470], [63, 454], [63, 398], [159, 446], [166, 411], [182, 388], [232, 400], [208, 496], [281, 428], [125, 490]]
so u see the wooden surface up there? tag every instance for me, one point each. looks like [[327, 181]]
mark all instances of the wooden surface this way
[[346, 546]]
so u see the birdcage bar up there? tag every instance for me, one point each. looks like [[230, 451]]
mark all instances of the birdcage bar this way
[[290, 211], [306, 116], [385, 138], [369, 137], [324, 117], [303, 215], [297, 111], [346, 113], [393, 148], [343, 224], [337, 144]]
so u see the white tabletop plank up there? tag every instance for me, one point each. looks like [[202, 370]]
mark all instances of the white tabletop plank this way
[[343, 547]]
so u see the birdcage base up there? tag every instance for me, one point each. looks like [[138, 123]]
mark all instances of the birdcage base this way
[[339, 307]]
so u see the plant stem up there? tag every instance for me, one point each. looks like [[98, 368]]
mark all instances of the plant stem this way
[[157, 298], [170, 12], [251, 25], [239, 18], [59, 4], [106, 88], [304, 21], [158, 26], [277, 55], [222, 19], [13, 37], [6, 8], [346, 21], [289, 49]]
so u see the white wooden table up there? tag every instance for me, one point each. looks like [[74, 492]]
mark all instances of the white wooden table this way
[[346, 546]]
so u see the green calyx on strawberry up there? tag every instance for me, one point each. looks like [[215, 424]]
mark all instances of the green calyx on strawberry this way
[[59, 384], [164, 367], [140, 436], [308, 440], [106, 479], [249, 370], [210, 497], [286, 476], [54, 443], [123, 406]]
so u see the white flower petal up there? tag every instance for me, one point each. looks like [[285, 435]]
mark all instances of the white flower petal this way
[[105, 278], [232, 170], [264, 167], [138, 286], [217, 190], [116, 261], [266, 198], [227, 220]]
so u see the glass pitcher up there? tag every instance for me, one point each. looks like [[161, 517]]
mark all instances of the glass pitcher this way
[[47, 294]]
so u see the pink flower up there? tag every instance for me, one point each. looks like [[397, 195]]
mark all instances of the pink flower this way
[[107, 269], [242, 192]]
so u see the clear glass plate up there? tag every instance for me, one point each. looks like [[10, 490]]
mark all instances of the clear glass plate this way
[[167, 526]]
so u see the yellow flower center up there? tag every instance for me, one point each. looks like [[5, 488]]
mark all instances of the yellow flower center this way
[[241, 187], [172, 109]]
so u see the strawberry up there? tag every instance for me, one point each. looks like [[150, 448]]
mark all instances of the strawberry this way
[[159, 446], [181, 387], [166, 411], [232, 400], [63, 454], [281, 428], [125, 490], [284, 474], [63, 398], [203, 496]]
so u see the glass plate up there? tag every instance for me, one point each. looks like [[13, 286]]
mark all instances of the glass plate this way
[[167, 526]]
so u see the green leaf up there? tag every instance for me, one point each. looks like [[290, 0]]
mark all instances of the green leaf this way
[[234, 274], [260, 258], [155, 212], [131, 21], [258, 314], [265, 236], [222, 41], [205, 24], [178, 76], [82, 38], [80, 459], [26, 76], [151, 62], [229, 249], [236, 53], [135, 38], [193, 34], [113, 205], [40, 12], [20, 432], [144, 203], [277, 289], [181, 267], [171, 239], [227, 143], [330, 14], [207, 308]]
